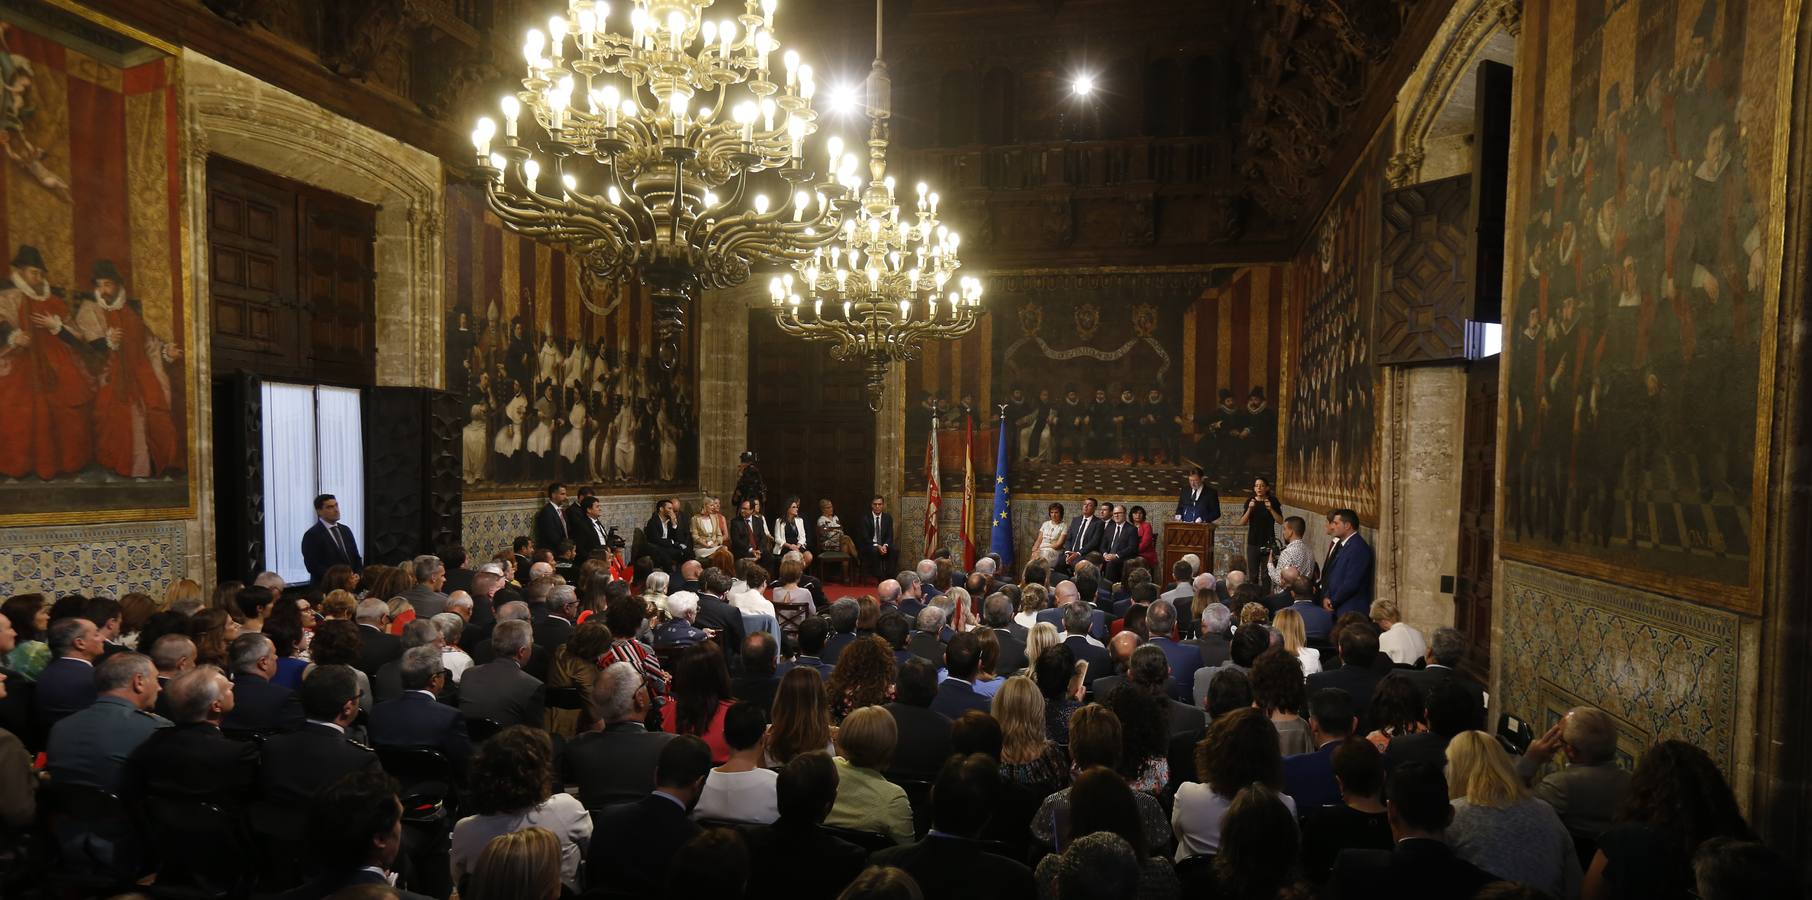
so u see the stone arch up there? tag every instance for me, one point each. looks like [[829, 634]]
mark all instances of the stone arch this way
[[237, 116], [1475, 23]]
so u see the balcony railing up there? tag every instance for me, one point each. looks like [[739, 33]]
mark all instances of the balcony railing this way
[[1076, 164]]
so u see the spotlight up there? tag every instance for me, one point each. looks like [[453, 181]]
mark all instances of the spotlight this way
[[845, 99], [1084, 85]]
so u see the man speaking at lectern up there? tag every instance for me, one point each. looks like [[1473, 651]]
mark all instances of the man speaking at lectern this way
[[1198, 502]]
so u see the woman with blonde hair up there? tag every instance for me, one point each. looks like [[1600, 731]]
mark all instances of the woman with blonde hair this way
[[802, 719], [183, 591], [962, 616], [520, 865], [866, 800], [1499, 826], [1288, 623], [1028, 758], [1032, 601], [709, 535], [402, 612], [339, 605], [1041, 637], [1397, 639]]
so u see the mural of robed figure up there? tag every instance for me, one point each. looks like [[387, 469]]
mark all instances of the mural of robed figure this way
[[44, 387], [134, 431]]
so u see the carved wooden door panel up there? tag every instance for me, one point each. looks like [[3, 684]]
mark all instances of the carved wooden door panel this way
[[339, 287], [252, 272], [809, 422], [1424, 293], [1472, 595]]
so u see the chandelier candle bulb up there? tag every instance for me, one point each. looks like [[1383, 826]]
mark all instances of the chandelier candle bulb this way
[[588, 27], [726, 34], [676, 25], [767, 13], [531, 172], [532, 45], [807, 85], [556, 36], [791, 60], [511, 109]]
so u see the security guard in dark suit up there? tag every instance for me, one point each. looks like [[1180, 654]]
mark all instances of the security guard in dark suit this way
[[302, 763]]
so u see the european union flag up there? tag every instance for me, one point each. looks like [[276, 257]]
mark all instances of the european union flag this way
[[1001, 539]]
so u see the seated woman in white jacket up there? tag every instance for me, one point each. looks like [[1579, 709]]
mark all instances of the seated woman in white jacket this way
[[789, 532]]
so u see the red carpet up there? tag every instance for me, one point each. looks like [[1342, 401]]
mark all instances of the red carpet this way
[[834, 591]]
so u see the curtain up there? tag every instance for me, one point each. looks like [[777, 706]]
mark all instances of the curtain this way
[[289, 476], [340, 459]]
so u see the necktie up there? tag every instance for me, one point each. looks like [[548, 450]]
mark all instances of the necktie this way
[[563, 529], [599, 528], [877, 529], [1116, 541], [334, 530], [1082, 533]]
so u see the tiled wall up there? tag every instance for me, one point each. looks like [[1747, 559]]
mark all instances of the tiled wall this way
[[1663, 668], [107, 560]]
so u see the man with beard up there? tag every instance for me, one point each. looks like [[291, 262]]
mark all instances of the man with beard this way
[[135, 434], [44, 388]]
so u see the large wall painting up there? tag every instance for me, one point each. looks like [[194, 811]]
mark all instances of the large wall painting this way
[[1328, 452], [560, 383], [95, 406], [1646, 210]]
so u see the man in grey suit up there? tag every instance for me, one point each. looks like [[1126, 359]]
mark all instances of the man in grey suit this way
[[499, 689], [1586, 793], [426, 597], [90, 746], [614, 762]]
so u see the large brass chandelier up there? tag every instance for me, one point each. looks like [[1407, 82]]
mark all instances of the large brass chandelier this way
[[649, 144], [881, 287]]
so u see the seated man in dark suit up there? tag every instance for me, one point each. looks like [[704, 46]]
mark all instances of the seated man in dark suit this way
[[896, 630], [1317, 622], [556, 627], [924, 741], [354, 835], [614, 762], [90, 746], [715, 612], [192, 758], [632, 843], [812, 634], [924, 642], [376, 646], [873, 533], [1449, 712], [500, 689], [1185, 657], [1063, 594], [1083, 645], [1309, 777], [997, 613], [67, 683], [950, 862], [957, 694], [664, 538], [1214, 639], [1446, 650], [843, 616], [417, 718], [1356, 675], [387, 684], [298, 765], [1120, 542], [258, 705], [794, 858], [757, 682], [1421, 866]]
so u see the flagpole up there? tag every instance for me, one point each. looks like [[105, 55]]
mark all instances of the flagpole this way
[[933, 490]]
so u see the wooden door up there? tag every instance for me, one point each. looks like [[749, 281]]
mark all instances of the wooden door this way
[[810, 424], [252, 272], [339, 286], [1472, 595]]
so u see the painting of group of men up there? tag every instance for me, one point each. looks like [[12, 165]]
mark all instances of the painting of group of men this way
[[1639, 305], [545, 407]]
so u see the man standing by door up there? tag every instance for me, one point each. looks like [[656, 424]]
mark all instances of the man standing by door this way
[[328, 543]]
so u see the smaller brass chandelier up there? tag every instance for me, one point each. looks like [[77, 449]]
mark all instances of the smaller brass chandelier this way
[[881, 286]]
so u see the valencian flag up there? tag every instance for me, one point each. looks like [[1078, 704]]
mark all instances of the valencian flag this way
[[932, 497], [968, 493], [1001, 543]]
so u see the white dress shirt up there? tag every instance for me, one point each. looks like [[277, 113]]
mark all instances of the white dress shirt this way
[[1403, 644]]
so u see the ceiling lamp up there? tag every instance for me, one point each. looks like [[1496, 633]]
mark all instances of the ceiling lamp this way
[[881, 287], [649, 144]]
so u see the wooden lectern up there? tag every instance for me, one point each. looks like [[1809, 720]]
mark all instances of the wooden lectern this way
[[1181, 539]]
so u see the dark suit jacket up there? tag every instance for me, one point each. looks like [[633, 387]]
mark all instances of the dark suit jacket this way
[[659, 828], [926, 646], [1215, 649], [65, 686], [1423, 747], [924, 741], [1317, 623], [319, 553], [1309, 778], [552, 631], [193, 760], [1100, 662], [298, 765], [952, 868], [261, 706], [1359, 682], [459, 580], [833, 648], [1185, 658], [1348, 582], [955, 697], [867, 538], [713, 612], [789, 862], [1426, 679], [1097, 621], [1012, 651], [1125, 545], [742, 538], [615, 765], [1206, 508], [816, 662], [416, 720], [756, 689], [673, 544], [585, 536], [377, 647], [1417, 869], [1075, 542], [500, 690], [550, 528]]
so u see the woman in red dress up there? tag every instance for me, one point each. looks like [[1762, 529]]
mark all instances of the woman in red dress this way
[[1148, 542]]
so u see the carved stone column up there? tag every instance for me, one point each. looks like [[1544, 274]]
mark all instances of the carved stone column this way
[[723, 385]]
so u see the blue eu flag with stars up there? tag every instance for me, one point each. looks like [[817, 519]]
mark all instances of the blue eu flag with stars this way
[[1001, 539]]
